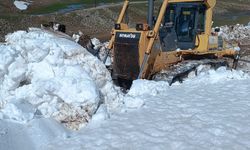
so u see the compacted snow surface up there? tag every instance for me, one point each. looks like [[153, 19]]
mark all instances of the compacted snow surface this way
[[47, 81], [197, 115]]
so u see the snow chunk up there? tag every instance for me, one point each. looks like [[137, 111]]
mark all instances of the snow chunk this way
[[7, 56], [21, 5], [20, 111], [146, 87], [97, 44], [140, 88], [72, 84]]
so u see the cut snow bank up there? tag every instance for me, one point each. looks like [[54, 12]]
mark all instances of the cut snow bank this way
[[53, 77]]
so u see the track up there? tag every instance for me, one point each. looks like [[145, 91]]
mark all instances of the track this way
[[180, 71]]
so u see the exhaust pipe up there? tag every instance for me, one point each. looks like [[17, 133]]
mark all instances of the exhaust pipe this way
[[150, 13]]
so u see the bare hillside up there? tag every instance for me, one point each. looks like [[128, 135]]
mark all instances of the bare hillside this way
[[97, 22]]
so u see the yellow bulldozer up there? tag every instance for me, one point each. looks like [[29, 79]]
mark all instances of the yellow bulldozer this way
[[180, 33]]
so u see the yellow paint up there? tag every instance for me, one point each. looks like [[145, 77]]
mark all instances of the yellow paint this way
[[149, 39]]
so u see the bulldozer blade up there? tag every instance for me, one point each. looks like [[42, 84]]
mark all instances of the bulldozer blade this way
[[145, 60]]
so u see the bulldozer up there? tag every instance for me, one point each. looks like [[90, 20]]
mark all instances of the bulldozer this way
[[171, 44]]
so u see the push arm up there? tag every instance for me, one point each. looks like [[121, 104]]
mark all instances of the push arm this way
[[120, 18], [152, 35]]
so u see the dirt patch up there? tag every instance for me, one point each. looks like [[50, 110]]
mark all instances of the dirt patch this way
[[94, 22]]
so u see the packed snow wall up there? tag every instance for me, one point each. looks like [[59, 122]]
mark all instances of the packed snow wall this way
[[44, 75]]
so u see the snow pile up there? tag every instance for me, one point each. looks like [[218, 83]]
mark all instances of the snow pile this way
[[205, 75], [234, 33], [238, 35], [146, 87], [103, 52], [140, 89], [53, 77], [21, 5]]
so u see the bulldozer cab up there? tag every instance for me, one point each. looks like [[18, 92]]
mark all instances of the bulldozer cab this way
[[182, 22]]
